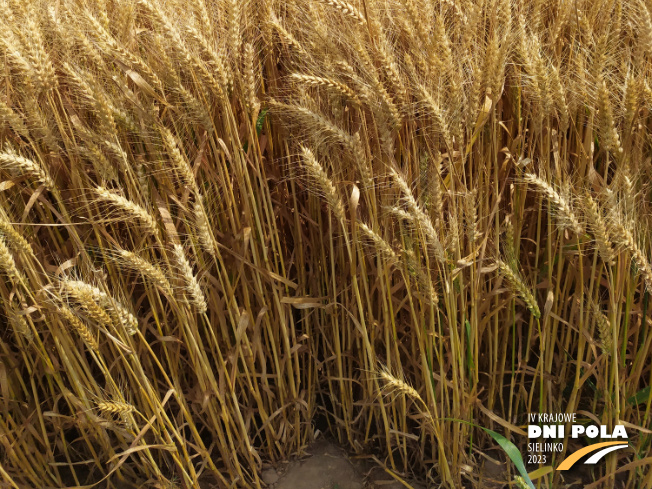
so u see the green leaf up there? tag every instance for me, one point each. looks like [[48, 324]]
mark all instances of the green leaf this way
[[261, 120], [470, 364], [641, 396], [512, 452], [509, 448], [540, 472]]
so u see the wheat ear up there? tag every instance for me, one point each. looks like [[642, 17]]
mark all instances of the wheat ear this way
[[519, 287], [19, 324], [627, 239], [147, 269], [8, 264], [179, 160], [599, 229], [396, 384], [203, 227], [347, 9], [115, 407], [320, 177], [15, 121], [80, 328], [604, 328], [565, 213], [84, 297], [192, 284], [251, 75], [318, 81], [14, 239], [92, 299], [382, 245], [128, 207], [110, 408], [419, 215], [286, 35], [12, 161]]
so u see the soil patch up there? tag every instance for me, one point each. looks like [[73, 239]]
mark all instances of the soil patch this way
[[327, 466]]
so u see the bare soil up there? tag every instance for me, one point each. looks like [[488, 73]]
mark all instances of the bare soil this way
[[327, 466]]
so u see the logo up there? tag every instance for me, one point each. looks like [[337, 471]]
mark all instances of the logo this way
[[552, 427]]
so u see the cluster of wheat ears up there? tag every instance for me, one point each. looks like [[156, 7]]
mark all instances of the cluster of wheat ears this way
[[226, 225]]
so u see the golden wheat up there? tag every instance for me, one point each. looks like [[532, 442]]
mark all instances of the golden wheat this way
[[12, 161], [519, 287], [128, 207], [80, 328], [191, 283], [159, 166], [565, 214]]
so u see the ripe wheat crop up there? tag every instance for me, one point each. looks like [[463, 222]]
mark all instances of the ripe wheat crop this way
[[226, 225]]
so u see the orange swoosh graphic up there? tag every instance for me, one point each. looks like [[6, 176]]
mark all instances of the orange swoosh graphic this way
[[570, 460]]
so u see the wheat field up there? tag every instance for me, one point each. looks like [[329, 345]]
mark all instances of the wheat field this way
[[228, 226]]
